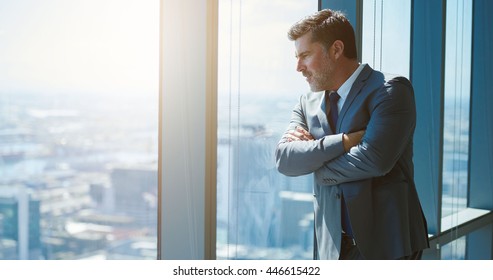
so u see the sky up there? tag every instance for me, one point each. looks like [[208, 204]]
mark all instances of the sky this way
[[255, 55], [112, 46], [79, 46]]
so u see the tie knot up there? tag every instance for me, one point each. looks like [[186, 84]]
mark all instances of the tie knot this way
[[334, 97]]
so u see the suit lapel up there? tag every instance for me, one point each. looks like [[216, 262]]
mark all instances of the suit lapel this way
[[355, 90]]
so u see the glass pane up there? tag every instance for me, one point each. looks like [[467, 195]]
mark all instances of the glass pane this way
[[479, 243], [475, 245], [386, 44], [456, 106], [455, 250], [261, 214], [78, 129]]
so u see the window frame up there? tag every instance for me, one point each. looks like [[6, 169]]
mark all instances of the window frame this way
[[187, 189]]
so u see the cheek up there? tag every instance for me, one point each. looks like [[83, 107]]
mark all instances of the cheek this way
[[313, 65], [319, 63]]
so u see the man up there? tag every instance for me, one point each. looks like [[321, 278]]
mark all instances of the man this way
[[354, 131]]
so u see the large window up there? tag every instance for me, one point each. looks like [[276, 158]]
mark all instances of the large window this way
[[261, 214], [387, 36], [457, 93], [78, 129]]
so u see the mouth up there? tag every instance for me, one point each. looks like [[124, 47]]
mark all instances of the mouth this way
[[308, 77]]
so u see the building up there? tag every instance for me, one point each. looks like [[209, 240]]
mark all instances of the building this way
[[19, 223], [135, 193]]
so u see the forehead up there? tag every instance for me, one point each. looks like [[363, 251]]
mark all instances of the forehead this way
[[305, 44]]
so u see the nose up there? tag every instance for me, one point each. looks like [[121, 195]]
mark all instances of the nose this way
[[300, 66]]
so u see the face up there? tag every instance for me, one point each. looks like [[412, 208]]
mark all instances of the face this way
[[315, 63]]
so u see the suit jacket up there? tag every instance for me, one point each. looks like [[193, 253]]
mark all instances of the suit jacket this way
[[375, 177]]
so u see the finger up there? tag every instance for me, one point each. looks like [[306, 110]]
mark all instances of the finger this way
[[300, 135], [291, 136], [300, 129], [305, 134]]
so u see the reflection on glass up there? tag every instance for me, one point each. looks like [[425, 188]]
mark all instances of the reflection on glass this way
[[455, 250], [261, 214], [78, 129], [456, 106], [476, 245]]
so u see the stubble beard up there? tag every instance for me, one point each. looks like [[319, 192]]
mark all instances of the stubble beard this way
[[321, 80]]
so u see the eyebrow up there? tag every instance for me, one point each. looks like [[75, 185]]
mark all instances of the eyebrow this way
[[297, 55]]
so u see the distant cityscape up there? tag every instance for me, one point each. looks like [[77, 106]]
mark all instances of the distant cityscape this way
[[78, 177], [455, 156], [78, 180]]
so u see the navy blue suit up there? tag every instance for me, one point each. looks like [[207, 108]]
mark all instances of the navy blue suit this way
[[375, 177]]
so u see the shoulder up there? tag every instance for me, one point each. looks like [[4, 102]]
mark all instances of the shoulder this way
[[392, 89], [384, 78], [399, 84], [389, 82], [396, 80]]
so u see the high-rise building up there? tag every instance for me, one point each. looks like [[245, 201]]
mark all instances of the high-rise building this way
[[265, 209], [135, 192], [19, 223]]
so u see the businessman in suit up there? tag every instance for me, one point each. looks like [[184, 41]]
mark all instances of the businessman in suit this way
[[354, 132]]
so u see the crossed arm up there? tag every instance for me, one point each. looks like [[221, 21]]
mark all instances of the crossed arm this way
[[388, 138], [300, 134], [299, 153], [340, 158]]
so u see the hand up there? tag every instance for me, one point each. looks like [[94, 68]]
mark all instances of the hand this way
[[352, 139], [298, 134]]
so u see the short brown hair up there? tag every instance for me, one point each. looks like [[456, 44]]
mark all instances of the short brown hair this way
[[327, 26]]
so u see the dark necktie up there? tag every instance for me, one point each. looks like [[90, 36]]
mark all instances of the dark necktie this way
[[333, 116], [333, 113]]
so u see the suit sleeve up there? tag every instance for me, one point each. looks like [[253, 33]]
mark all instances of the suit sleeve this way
[[304, 157], [389, 132]]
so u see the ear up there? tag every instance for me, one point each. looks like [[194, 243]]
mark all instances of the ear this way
[[337, 49]]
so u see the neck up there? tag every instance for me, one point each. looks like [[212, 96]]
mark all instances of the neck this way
[[347, 68]]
